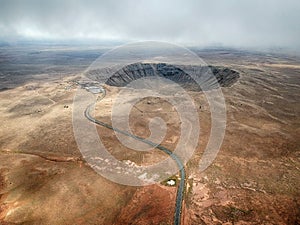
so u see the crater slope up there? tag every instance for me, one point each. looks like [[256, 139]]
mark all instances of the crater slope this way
[[188, 76]]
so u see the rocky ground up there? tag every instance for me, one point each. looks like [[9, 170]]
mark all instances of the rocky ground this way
[[254, 179]]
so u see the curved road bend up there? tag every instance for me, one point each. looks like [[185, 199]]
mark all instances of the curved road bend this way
[[180, 190]]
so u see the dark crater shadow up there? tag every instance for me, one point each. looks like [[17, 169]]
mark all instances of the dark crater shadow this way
[[187, 76]]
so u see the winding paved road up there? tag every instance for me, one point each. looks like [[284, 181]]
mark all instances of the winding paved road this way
[[180, 190]]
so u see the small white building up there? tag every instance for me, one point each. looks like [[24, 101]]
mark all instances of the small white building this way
[[171, 182], [94, 89]]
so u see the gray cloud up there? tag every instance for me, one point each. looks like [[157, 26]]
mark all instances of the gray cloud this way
[[230, 23]]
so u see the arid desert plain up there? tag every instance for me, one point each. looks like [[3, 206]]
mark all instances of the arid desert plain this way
[[255, 178]]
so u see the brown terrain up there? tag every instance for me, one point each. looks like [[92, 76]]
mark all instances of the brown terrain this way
[[253, 180]]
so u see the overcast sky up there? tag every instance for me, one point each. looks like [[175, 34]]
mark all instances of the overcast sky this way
[[245, 23]]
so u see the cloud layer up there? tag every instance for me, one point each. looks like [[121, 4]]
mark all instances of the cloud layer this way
[[248, 23]]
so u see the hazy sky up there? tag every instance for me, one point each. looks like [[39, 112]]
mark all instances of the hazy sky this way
[[266, 23]]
